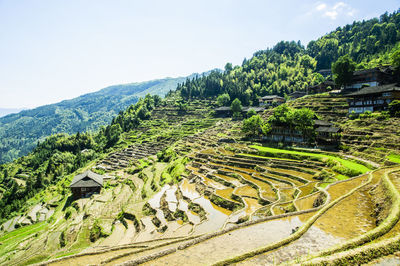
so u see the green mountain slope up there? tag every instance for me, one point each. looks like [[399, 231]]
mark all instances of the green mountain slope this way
[[19, 133], [7, 111]]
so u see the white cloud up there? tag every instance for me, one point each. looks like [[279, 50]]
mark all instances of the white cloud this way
[[334, 11], [320, 7]]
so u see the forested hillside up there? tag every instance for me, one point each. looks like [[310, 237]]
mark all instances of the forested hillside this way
[[62, 154], [19, 133], [289, 66]]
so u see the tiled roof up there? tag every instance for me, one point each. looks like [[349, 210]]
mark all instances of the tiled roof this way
[[87, 179], [375, 89]]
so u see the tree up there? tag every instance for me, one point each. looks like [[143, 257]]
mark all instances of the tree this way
[[223, 99], [303, 120], [255, 126], [250, 113], [394, 108], [236, 106], [228, 68], [343, 70]]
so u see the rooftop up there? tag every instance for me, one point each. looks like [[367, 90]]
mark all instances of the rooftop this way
[[322, 123], [271, 97], [375, 89], [328, 129], [87, 179]]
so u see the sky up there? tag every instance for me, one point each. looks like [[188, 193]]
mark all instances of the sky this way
[[52, 50]]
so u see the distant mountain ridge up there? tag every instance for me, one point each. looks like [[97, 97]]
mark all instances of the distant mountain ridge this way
[[7, 111], [20, 132]]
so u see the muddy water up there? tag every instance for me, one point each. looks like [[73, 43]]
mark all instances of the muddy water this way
[[307, 189], [229, 179], [155, 200], [312, 241], [193, 217], [349, 218], [129, 234], [305, 176], [266, 189], [225, 152], [170, 197], [337, 190], [216, 216], [395, 231], [150, 231], [275, 183], [279, 177], [281, 208], [306, 202], [189, 189], [116, 235], [211, 183], [233, 243], [226, 194], [251, 205], [287, 194], [246, 191]]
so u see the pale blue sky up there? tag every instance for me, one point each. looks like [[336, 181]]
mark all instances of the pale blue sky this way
[[52, 50]]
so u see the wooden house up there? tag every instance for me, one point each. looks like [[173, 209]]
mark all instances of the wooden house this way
[[225, 111], [373, 77], [86, 184], [325, 134], [326, 86], [373, 98], [271, 100], [297, 94]]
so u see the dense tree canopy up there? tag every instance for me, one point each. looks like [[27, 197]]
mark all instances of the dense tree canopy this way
[[343, 70]]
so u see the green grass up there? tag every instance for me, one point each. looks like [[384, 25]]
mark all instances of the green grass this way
[[394, 158], [346, 163], [341, 177], [268, 157], [10, 240], [22, 232]]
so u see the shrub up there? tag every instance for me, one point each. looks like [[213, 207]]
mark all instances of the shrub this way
[[62, 239], [96, 232]]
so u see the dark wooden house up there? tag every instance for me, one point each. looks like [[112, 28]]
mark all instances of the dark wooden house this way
[[326, 86], [326, 133], [225, 111], [297, 94], [373, 98], [373, 77], [86, 184], [271, 100]]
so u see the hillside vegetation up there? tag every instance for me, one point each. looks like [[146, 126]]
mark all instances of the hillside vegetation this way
[[19, 133]]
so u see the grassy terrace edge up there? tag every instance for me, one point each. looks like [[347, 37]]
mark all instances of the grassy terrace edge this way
[[347, 163]]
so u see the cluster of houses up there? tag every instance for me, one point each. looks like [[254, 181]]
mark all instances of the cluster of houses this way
[[370, 90]]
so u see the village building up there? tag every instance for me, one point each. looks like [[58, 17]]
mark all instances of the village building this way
[[326, 73], [86, 184], [373, 98], [225, 111], [326, 86], [271, 100], [297, 94], [325, 134], [370, 77]]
